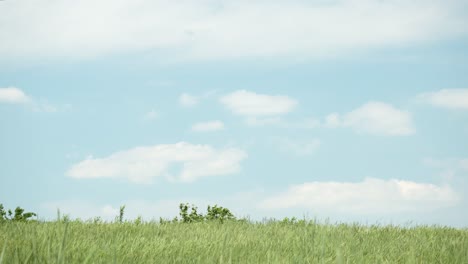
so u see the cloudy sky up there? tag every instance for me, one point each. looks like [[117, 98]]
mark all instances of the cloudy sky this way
[[352, 110]]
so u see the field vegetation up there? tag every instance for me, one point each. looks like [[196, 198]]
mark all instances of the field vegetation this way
[[219, 237]]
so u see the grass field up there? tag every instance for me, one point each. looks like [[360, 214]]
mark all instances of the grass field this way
[[229, 242]]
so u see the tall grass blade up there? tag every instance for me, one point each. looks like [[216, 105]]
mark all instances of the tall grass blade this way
[[90, 255], [62, 246], [28, 257], [3, 253]]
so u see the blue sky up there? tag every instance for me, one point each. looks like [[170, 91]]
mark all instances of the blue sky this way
[[349, 110]]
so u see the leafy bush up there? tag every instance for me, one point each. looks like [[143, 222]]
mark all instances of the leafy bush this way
[[187, 213], [219, 213], [18, 216], [194, 216], [215, 213], [2, 213]]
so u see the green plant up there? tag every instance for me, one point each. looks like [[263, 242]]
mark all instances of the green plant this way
[[194, 216], [288, 221], [121, 213], [18, 216], [214, 213], [219, 213], [139, 220], [2, 213], [289, 240], [231, 242]]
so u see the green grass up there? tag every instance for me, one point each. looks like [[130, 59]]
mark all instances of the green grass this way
[[230, 242]]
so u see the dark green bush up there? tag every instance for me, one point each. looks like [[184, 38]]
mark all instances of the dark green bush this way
[[214, 213], [19, 215], [219, 213]]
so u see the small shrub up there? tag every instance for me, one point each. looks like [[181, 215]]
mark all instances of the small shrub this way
[[194, 216], [139, 220], [18, 216], [219, 213], [2, 213], [214, 213], [287, 220]]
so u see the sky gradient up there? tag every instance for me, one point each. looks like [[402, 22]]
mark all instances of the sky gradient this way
[[352, 110]]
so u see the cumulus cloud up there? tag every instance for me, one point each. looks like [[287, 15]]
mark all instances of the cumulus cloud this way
[[252, 104], [371, 196], [222, 29], [144, 164], [376, 118], [379, 118], [447, 98], [208, 126], [13, 95]]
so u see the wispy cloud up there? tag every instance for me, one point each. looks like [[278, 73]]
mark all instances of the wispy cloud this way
[[258, 109], [299, 147], [210, 29], [446, 98], [371, 196], [449, 167], [191, 100], [182, 162], [208, 126], [375, 118], [13, 95], [379, 118], [188, 100], [151, 115]]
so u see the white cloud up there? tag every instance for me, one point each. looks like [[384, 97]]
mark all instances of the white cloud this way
[[281, 122], [449, 167], [380, 118], [447, 98], [296, 146], [332, 120], [463, 164], [453, 163], [264, 121], [45, 107], [208, 126], [144, 164], [188, 100], [371, 196], [222, 29], [151, 115], [13, 95], [251, 104], [374, 118]]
